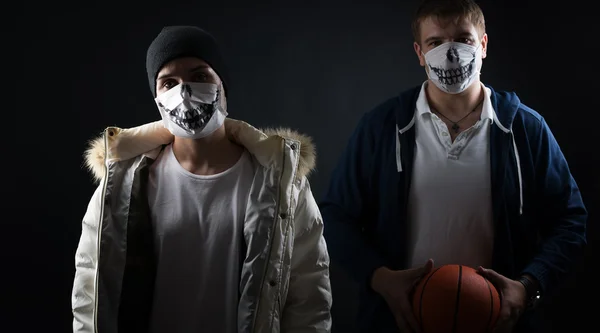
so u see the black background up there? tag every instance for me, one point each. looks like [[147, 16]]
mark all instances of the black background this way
[[312, 66]]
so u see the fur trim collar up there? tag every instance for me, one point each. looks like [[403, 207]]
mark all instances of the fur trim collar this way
[[125, 143]]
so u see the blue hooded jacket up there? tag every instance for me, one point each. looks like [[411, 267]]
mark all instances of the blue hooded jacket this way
[[539, 215]]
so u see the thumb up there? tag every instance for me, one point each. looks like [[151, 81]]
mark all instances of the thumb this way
[[424, 270], [491, 275]]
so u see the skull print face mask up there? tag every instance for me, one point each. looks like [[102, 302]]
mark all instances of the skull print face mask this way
[[452, 66], [191, 110]]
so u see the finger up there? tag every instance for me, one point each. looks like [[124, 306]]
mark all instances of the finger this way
[[417, 273], [505, 327], [491, 275], [499, 328], [515, 315], [428, 267], [402, 325], [409, 315], [503, 322]]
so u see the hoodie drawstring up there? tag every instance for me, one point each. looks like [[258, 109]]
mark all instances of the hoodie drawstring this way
[[518, 161], [398, 152]]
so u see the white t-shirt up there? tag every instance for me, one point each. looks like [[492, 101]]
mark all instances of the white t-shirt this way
[[450, 200], [198, 226]]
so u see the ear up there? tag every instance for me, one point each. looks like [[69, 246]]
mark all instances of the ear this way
[[484, 45], [417, 48]]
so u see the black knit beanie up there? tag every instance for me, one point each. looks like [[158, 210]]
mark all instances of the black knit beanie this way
[[183, 41]]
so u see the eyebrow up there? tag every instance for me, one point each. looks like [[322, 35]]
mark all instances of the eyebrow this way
[[431, 39], [195, 69], [461, 35], [466, 34]]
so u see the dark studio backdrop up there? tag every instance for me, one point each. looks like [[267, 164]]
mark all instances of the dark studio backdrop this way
[[312, 66]]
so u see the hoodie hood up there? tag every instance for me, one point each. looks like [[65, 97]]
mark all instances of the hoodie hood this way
[[125, 143], [509, 103]]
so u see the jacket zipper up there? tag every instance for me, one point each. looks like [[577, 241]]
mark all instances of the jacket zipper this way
[[266, 266], [99, 235]]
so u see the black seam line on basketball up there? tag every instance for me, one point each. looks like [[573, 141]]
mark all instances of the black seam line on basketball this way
[[491, 304], [421, 300], [456, 307]]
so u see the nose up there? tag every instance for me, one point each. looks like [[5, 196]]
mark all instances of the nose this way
[[452, 55], [186, 89]]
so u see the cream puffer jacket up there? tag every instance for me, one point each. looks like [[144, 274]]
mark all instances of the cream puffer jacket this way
[[284, 278]]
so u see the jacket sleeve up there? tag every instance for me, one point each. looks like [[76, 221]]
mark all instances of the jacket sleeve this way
[[308, 303], [345, 203], [86, 258], [563, 214]]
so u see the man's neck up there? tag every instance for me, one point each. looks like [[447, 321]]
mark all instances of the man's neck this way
[[454, 106], [207, 156]]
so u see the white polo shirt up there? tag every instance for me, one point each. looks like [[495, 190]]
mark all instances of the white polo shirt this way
[[450, 199]]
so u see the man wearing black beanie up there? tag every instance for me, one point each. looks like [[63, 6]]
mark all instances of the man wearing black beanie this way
[[200, 223]]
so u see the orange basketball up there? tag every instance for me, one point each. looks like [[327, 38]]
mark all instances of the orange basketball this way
[[455, 298]]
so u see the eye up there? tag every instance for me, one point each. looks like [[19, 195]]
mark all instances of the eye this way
[[168, 84], [200, 77], [435, 43], [465, 40]]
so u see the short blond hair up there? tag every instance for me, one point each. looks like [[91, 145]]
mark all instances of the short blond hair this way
[[448, 10]]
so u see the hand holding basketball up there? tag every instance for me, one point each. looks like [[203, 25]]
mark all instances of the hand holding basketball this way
[[456, 298], [513, 299], [395, 287]]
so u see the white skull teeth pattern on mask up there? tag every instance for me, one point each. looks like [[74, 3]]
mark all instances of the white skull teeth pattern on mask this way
[[191, 120], [454, 75], [194, 119]]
